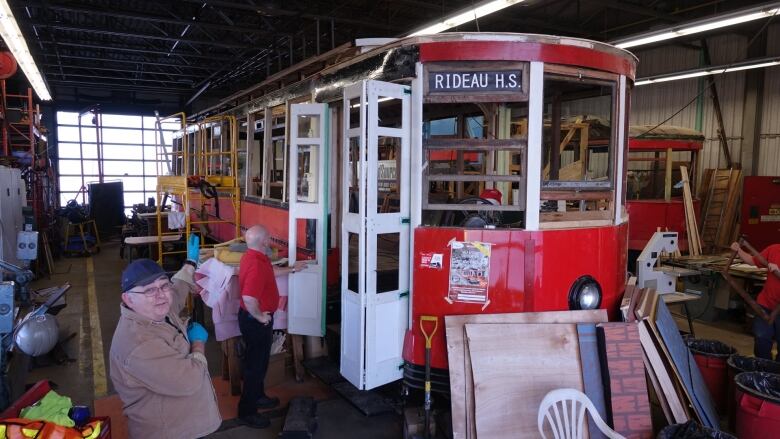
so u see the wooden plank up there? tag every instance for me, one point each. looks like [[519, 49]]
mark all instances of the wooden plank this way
[[556, 225], [684, 366], [694, 246], [514, 367], [726, 232], [655, 393], [666, 390], [577, 195], [591, 374], [668, 176], [624, 370], [475, 144], [461, 384]]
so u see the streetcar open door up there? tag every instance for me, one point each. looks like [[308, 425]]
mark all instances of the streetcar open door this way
[[308, 207], [375, 231]]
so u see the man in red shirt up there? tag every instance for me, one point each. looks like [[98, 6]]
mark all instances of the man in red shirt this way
[[259, 300], [769, 298]]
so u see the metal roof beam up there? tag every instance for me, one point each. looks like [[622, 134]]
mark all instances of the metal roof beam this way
[[110, 69], [114, 85], [128, 80], [638, 9], [260, 10], [130, 34], [140, 16], [135, 50], [132, 61]]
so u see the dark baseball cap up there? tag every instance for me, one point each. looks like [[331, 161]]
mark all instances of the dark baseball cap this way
[[141, 272]]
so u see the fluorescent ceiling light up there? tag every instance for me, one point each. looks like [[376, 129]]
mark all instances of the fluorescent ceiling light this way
[[698, 26], [464, 16], [705, 71], [15, 41]]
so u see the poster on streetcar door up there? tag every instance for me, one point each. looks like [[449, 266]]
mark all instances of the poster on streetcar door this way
[[469, 271]]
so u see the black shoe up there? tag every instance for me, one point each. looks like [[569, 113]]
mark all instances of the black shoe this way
[[266, 402], [255, 421]]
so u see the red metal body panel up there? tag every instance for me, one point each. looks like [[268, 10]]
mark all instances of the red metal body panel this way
[[663, 144], [468, 50], [761, 211], [645, 216], [529, 271]]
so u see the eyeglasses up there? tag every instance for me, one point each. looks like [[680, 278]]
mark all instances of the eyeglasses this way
[[154, 291]]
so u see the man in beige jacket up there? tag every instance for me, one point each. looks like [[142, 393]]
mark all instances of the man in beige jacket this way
[[157, 363]]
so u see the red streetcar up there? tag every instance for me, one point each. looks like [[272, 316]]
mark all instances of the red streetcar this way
[[653, 195], [456, 173]]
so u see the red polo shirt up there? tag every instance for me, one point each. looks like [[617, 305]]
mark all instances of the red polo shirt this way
[[770, 296], [256, 279]]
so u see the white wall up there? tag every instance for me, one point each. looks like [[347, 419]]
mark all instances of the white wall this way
[[653, 103], [769, 146]]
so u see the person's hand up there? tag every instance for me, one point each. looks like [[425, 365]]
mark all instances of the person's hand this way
[[735, 246], [265, 318], [197, 333], [772, 267], [193, 248], [300, 265]]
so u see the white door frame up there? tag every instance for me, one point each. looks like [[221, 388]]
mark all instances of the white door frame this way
[[307, 288], [374, 323]]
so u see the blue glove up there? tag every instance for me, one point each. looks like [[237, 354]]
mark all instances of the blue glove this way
[[193, 248], [196, 332]]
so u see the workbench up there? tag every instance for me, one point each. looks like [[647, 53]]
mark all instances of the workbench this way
[[702, 277]]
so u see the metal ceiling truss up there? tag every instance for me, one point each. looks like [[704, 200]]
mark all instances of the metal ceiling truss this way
[[219, 47]]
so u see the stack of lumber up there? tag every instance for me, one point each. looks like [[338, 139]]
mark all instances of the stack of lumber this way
[[676, 380], [502, 366], [720, 200], [691, 226]]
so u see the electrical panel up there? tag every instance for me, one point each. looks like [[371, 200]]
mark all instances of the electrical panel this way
[[27, 246], [13, 196]]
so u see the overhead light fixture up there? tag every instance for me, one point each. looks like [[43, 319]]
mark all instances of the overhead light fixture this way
[[13, 38], [705, 71], [464, 16], [698, 26]]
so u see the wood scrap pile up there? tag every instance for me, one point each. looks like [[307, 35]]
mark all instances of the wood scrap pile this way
[[502, 366], [676, 380]]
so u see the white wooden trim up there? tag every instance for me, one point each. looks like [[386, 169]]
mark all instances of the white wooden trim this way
[[534, 161], [621, 147], [416, 165]]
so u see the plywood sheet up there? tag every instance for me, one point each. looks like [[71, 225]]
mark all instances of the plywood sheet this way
[[461, 383], [624, 370], [685, 366], [514, 367]]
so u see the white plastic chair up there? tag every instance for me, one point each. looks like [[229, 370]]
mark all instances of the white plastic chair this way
[[564, 410]]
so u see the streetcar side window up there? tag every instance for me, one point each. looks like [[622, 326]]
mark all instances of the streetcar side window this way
[[579, 142]]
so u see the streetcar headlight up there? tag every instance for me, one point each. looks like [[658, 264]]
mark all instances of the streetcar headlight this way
[[585, 293]]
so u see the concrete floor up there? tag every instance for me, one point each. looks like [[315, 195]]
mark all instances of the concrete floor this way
[[91, 314]]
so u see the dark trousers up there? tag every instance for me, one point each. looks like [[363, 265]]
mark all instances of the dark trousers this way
[[765, 336], [257, 351]]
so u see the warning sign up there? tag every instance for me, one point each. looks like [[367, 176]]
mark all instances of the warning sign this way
[[469, 272]]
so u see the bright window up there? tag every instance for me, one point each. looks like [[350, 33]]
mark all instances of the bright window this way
[[127, 151]]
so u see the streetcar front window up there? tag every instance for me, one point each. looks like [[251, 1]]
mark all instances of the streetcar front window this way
[[579, 145]]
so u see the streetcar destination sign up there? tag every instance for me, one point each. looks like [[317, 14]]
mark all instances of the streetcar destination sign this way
[[475, 81]]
